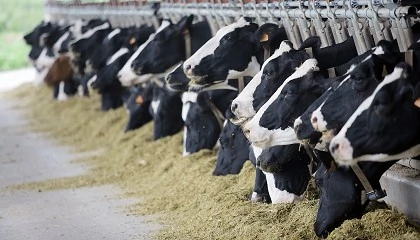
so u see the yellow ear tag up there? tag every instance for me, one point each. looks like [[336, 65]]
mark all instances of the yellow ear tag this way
[[132, 40], [264, 37], [417, 102], [139, 100]]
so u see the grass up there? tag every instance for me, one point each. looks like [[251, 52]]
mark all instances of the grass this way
[[17, 18]]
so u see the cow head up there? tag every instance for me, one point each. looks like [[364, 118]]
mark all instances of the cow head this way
[[230, 54], [274, 71], [356, 86], [202, 127], [126, 76], [385, 126], [272, 125], [90, 39], [37, 36], [168, 47], [177, 80], [166, 108], [138, 107], [289, 166], [234, 149], [342, 196]]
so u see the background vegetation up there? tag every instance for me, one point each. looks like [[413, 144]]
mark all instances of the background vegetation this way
[[17, 18]]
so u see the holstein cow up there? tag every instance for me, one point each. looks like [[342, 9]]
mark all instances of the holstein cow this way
[[126, 76], [338, 103], [138, 106], [273, 123], [288, 166], [357, 86], [166, 108], [113, 95], [203, 118], [385, 126], [169, 47], [343, 195], [234, 148], [274, 71], [235, 51]]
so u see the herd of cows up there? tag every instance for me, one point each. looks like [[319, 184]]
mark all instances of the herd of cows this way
[[326, 112]]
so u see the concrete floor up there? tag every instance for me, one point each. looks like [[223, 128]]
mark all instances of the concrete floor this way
[[84, 213]]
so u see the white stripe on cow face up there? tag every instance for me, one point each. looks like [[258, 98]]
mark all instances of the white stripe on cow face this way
[[57, 45], [62, 96], [126, 76], [210, 46], [378, 51], [184, 144], [92, 80], [262, 137], [155, 105], [344, 153], [117, 55], [187, 99], [92, 31], [113, 33], [44, 61], [244, 109]]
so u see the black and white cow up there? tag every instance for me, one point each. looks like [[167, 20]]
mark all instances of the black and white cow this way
[[273, 123], [235, 51], [277, 68], [288, 166], [234, 148], [175, 43], [385, 126], [203, 117], [342, 195], [138, 106], [166, 109], [346, 96], [113, 94], [357, 86]]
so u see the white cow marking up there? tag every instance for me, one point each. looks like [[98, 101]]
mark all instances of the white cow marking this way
[[116, 55], [113, 33], [155, 105], [62, 96]]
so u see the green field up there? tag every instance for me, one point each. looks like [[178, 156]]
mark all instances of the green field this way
[[17, 18]]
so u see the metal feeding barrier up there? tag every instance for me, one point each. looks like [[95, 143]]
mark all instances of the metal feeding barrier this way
[[368, 21]]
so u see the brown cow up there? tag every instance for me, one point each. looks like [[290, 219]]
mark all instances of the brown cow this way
[[61, 70]]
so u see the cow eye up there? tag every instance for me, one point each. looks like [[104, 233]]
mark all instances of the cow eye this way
[[357, 78]]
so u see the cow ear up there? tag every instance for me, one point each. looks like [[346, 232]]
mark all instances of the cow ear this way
[[185, 23], [311, 42], [265, 32], [417, 95]]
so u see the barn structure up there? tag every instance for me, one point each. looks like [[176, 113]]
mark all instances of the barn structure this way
[[368, 21]]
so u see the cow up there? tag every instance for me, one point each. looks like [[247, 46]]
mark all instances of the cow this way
[[335, 106], [203, 118], [234, 148], [274, 71], [126, 76], [286, 168], [138, 107], [273, 123], [166, 108], [385, 127], [235, 51], [358, 84], [343, 196], [170, 46]]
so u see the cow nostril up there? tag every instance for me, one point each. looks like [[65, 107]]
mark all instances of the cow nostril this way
[[187, 67], [334, 147], [119, 76], [258, 163], [246, 132], [314, 120], [234, 107], [168, 78]]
